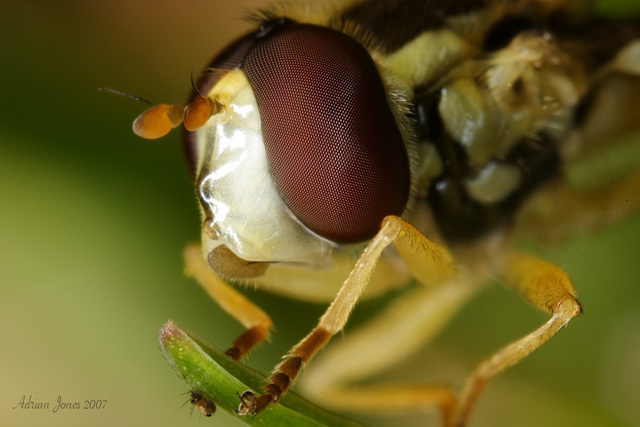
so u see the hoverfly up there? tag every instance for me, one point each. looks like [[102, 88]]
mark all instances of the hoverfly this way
[[353, 147]]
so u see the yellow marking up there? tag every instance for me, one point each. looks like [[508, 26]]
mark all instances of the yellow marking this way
[[428, 56]]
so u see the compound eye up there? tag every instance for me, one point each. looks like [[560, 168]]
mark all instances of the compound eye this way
[[334, 147]]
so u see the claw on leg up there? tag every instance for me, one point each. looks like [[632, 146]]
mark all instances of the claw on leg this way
[[252, 404]]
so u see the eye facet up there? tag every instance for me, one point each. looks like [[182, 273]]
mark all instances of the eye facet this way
[[334, 148]]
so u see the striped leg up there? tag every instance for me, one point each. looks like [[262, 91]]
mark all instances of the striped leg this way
[[428, 262], [257, 322]]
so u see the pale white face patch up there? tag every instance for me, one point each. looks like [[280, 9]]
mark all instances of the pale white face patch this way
[[249, 216]]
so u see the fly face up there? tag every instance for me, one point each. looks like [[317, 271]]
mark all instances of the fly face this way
[[329, 135], [307, 154]]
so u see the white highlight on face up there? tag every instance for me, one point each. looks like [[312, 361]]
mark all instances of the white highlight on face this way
[[249, 216]]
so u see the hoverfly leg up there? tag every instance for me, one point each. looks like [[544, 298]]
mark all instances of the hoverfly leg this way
[[428, 262], [547, 287], [408, 322], [257, 322]]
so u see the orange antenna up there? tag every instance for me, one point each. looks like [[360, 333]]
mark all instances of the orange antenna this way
[[155, 122], [199, 110], [158, 120]]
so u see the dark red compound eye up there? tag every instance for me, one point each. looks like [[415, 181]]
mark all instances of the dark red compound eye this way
[[334, 148]]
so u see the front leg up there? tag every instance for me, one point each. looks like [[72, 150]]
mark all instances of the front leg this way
[[428, 262], [257, 322]]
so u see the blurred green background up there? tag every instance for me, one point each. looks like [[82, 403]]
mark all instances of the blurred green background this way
[[94, 221]]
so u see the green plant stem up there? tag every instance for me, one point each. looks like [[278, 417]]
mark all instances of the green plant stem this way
[[212, 373]]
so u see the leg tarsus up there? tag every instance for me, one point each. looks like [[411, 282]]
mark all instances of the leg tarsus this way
[[284, 374], [252, 404], [242, 345]]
